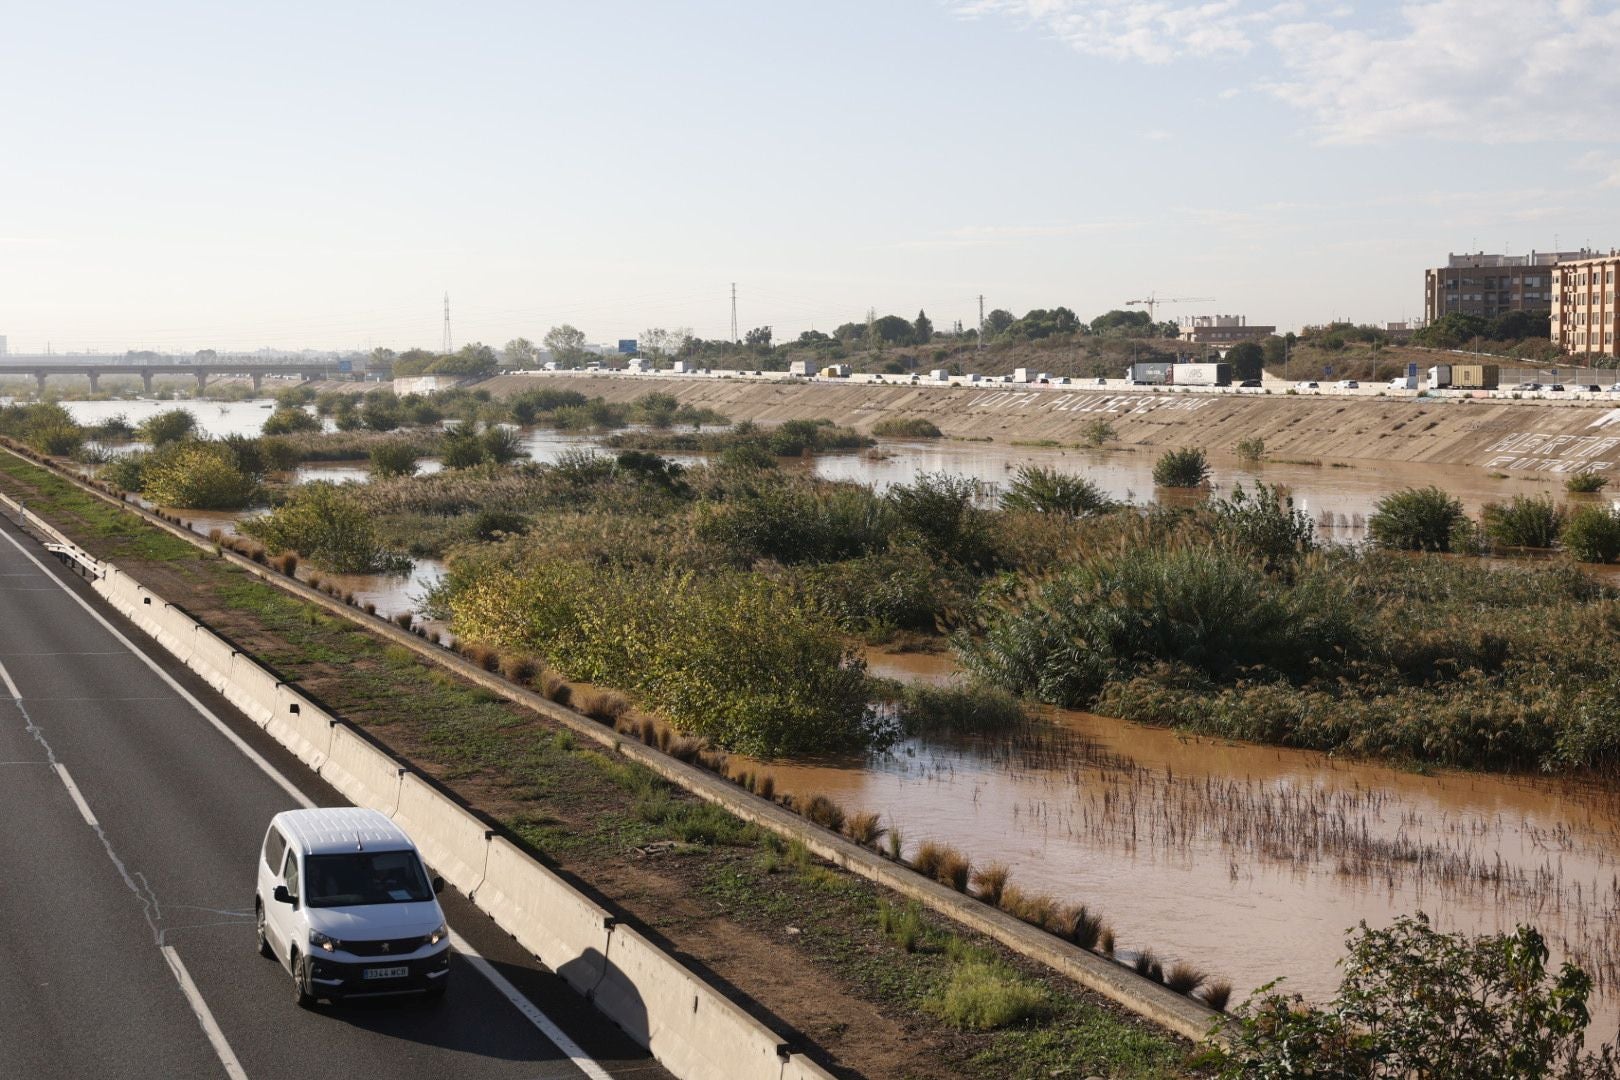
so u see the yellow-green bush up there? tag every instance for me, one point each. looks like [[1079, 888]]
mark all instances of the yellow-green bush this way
[[738, 658]]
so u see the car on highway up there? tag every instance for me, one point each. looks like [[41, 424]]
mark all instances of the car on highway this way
[[346, 905], [1249, 384], [1307, 385], [1530, 386], [1556, 388], [1590, 388], [1347, 384]]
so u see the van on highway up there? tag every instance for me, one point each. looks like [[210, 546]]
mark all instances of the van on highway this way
[[346, 905]]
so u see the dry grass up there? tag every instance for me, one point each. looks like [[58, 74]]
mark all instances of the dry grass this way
[[955, 870], [556, 688], [990, 882], [603, 705], [928, 858], [1148, 966], [865, 828], [1184, 978], [765, 786], [1217, 994], [824, 812], [1081, 925], [518, 668]]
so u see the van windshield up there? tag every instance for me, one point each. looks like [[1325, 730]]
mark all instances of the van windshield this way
[[365, 877]]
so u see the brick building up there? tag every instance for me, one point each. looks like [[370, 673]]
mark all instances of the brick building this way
[[1492, 285], [1222, 331], [1583, 314]]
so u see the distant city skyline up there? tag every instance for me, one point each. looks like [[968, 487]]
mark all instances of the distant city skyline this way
[[184, 176]]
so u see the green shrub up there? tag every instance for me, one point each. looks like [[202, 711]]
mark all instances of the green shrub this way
[[940, 512], [1524, 522], [502, 445], [286, 421], [883, 591], [124, 471], [984, 996], [328, 526], [794, 523], [737, 658], [1183, 467], [906, 427], [381, 410], [196, 475], [529, 406], [1040, 489], [1416, 1002], [1097, 432], [1251, 449], [46, 426], [1265, 522], [1592, 534], [1586, 481], [463, 449], [396, 458], [168, 426], [924, 709], [1416, 519]]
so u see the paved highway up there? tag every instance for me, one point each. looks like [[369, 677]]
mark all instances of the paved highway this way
[[132, 804]]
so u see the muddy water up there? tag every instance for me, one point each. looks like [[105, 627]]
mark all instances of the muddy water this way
[[1249, 861], [1338, 495]]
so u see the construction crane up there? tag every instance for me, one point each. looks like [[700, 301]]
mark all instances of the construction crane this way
[[1153, 301]]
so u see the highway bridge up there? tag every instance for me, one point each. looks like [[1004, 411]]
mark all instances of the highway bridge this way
[[133, 800], [43, 367]]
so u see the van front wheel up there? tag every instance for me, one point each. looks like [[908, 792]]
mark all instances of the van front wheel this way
[[301, 994], [264, 942]]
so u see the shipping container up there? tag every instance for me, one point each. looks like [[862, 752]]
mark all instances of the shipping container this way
[[1156, 373], [1465, 376]]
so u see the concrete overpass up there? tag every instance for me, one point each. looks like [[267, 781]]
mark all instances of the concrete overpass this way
[[43, 367]]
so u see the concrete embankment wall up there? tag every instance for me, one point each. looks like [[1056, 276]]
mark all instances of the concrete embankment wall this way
[[690, 1027], [1153, 1001], [1509, 436]]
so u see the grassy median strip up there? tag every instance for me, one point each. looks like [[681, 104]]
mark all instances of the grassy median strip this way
[[965, 1006]]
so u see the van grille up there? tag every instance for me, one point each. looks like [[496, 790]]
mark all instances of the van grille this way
[[394, 947]]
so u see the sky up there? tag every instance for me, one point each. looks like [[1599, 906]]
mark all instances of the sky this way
[[202, 175]]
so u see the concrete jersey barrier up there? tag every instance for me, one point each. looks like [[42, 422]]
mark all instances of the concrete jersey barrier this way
[[548, 917], [453, 841], [361, 773]]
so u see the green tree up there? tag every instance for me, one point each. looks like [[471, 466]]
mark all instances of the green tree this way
[[168, 426], [892, 330], [759, 337], [998, 322], [922, 331], [566, 344], [474, 359], [1247, 359], [520, 353], [1415, 1002], [1121, 323]]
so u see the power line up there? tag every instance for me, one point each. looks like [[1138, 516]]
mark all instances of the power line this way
[[734, 313]]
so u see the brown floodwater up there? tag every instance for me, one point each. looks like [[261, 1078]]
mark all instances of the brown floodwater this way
[[1248, 861]]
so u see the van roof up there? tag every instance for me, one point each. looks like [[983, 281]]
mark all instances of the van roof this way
[[329, 830]]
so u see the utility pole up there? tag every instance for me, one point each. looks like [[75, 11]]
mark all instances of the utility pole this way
[[981, 322], [734, 338], [446, 347]]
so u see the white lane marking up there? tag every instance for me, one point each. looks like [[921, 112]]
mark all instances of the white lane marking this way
[[227, 1056], [76, 795], [547, 1027], [186, 695], [528, 1009], [142, 890]]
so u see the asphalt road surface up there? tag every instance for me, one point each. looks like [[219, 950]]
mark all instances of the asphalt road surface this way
[[133, 800]]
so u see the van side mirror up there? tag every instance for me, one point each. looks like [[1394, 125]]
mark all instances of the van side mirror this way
[[438, 885], [281, 895]]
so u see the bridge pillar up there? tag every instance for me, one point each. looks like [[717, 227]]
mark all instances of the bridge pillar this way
[[146, 383], [258, 382], [202, 382], [39, 380], [95, 381]]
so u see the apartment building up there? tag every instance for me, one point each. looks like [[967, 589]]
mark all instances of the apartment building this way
[[1583, 314], [1492, 285], [1222, 331]]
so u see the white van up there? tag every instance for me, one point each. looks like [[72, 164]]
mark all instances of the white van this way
[[345, 904]]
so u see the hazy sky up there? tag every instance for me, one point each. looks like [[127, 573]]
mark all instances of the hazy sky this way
[[199, 175]]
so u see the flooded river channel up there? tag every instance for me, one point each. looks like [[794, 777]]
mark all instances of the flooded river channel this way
[[1248, 861]]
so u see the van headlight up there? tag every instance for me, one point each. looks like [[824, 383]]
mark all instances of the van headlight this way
[[438, 935], [322, 941]]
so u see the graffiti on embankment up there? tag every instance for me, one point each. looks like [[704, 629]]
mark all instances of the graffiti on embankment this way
[[1534, 451], [1117, 404]]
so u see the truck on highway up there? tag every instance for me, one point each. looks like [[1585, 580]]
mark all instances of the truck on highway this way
[[1165, 373], [1464, 377], [1202, 374]]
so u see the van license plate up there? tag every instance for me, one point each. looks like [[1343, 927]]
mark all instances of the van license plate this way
[[386, 973]]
